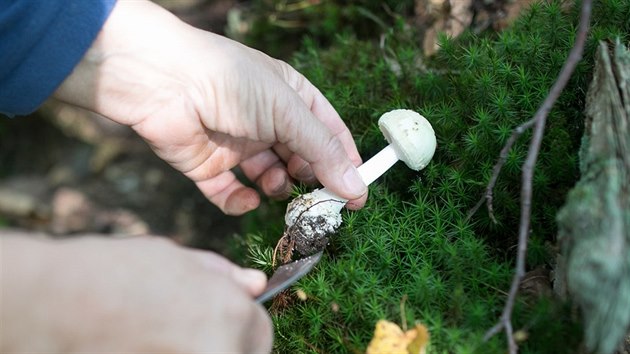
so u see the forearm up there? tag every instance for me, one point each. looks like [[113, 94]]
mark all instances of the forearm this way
[[128, 57]]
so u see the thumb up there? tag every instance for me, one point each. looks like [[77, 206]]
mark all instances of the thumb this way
[[251, 280], [303, 133]]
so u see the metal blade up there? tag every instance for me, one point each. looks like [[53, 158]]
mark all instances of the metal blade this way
[[288, 274]]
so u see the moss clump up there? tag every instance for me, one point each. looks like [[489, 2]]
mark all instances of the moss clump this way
[[414, 237]]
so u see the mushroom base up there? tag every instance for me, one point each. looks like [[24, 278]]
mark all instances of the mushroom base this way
[[310, 220], [310, 235]]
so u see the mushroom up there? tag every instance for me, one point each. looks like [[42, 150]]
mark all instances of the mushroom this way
[[311, 217]]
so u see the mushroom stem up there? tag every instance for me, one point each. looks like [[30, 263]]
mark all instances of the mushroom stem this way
[[378, 164], [369, 171]]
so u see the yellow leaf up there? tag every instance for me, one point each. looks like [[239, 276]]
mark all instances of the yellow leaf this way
[[420, 340], [390, 339]]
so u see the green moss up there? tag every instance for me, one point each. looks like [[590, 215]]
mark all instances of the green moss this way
[[276, 24], [413, 237]]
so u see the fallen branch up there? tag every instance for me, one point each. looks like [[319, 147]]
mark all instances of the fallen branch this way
[[488, 194], [538, 122]]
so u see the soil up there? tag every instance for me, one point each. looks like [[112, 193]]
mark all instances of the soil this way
[[308, 243]]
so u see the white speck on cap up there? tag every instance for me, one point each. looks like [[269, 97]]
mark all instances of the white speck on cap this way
[[411, 135]]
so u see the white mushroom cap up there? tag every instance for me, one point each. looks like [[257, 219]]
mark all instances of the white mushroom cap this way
[[411, 135]]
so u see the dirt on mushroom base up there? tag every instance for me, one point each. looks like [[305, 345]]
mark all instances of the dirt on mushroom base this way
[[308, 243], [309, 221]]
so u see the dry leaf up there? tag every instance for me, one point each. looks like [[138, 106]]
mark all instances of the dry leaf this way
[[390, 339], [451, 17]]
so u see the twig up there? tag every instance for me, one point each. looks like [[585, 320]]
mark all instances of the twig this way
[[488, 194], [540, 119], [403, 316]]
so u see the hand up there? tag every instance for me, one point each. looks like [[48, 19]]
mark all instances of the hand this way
[[138, 295], [206, 104]]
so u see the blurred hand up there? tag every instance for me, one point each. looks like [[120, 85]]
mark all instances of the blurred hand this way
[[206, 104], [138, 295]]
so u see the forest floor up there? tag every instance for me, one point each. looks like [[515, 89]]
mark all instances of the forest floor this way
[[67, 171]]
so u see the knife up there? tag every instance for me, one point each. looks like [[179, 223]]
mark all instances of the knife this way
[[288, 274]]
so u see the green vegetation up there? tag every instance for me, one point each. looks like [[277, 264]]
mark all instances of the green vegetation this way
[[278, 24], [413, 238]]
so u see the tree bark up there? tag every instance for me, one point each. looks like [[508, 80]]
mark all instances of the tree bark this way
[[594, 224]]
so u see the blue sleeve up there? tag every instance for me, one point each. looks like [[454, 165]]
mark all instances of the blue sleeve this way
[[41, 41]]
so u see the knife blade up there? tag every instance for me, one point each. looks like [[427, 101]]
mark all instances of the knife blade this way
[[288, 274]]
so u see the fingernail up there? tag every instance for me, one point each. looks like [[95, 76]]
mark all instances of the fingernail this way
[[305, 173], [283, 191], [280, 186], [353, 183]]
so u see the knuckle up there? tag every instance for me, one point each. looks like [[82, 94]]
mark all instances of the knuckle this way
[[334, 147]]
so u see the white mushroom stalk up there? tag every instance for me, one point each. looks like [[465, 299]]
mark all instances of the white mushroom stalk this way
[[312, 216]]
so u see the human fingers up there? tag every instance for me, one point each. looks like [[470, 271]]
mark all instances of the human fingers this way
[[297, 167], [229, 194], [358, 203], [269, 173], [245, 326], [218, 304], [260, 333], [301, 170], [307, 136], [252, 280], [324, 111], [321, 109]]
